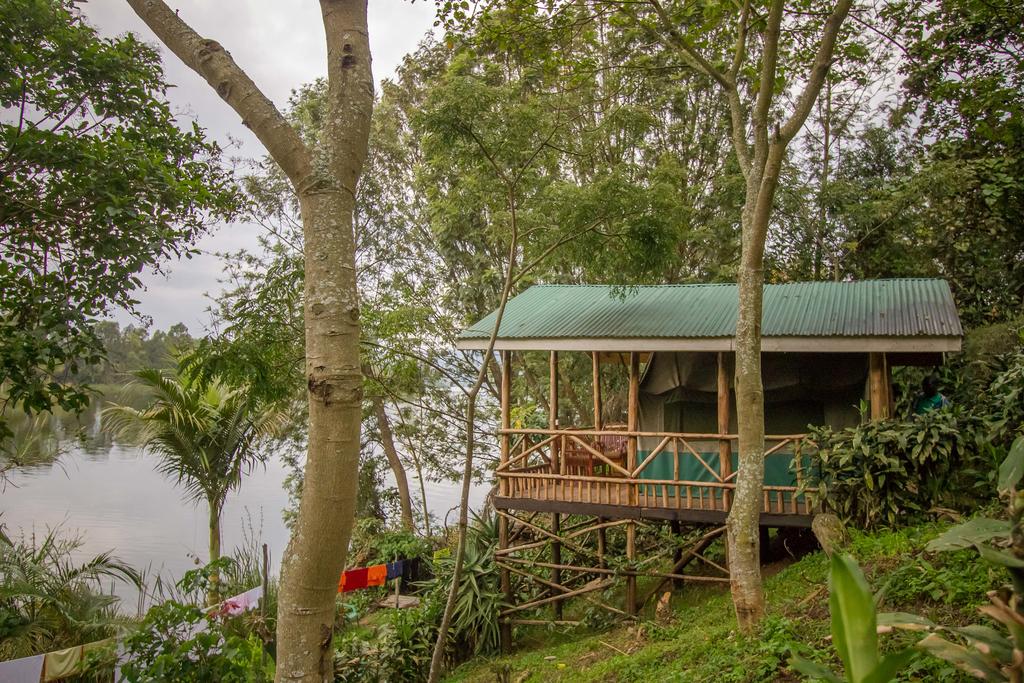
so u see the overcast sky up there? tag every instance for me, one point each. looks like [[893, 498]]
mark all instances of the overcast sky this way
[[280, 43]]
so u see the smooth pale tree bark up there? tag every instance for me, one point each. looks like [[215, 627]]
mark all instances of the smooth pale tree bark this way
[[387, 440], [324, 180], [760, 160]]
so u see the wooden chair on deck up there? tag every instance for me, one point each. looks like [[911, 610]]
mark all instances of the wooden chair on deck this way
[[578, 460]]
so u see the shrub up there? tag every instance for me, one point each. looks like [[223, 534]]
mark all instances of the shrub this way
[[179, 641], [49, 600], [882, 472], [403, 644], [373, 543]]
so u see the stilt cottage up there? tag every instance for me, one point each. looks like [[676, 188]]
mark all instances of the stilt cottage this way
[[827, 353]]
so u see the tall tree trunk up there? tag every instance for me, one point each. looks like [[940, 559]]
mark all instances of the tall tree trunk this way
[[316, 553], [213, 595], [387, 440], [760, 163], [743, 522], [324, 181]]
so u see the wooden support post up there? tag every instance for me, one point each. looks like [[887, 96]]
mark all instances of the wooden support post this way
[[631, 579], [878, 386], [633, 415], [505, 627], [724, 445], [556, 519], [764, 541], [595, 358], [556, 558], [677, 530]]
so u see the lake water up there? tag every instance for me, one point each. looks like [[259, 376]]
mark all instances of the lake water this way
[[114, 498]]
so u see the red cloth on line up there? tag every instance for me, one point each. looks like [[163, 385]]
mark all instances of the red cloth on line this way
[[353, 579]]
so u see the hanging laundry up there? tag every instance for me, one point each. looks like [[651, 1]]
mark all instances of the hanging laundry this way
[[394, 570], [24, 670], [62, 663], [243, 602], [353, 579], [376, 575]]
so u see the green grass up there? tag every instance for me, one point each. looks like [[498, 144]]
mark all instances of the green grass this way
[[701, 642]]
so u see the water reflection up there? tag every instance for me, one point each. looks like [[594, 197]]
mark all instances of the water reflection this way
[[111, 494]]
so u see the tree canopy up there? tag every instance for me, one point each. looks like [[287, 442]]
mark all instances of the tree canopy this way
[[97, 183]]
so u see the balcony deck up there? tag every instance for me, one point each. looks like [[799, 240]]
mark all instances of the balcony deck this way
[[575, 472]]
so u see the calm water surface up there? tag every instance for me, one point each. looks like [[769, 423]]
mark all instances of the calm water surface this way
[[114, 498]]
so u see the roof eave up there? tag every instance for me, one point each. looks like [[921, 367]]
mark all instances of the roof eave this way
[[780, 344]]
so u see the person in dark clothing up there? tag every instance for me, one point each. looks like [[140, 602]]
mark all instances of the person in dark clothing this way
[[930, 398]]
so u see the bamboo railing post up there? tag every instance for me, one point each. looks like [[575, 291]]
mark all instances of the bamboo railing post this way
[[505, 628]]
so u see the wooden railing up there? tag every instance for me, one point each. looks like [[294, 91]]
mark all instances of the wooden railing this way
[[544, 464]]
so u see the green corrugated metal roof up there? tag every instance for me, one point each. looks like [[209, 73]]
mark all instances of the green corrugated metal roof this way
[[871, 308]]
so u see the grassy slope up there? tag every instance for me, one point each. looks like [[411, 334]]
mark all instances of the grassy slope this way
[[701, 643]]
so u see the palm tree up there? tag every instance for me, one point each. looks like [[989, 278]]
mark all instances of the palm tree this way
[[49, 600], [206, 434]]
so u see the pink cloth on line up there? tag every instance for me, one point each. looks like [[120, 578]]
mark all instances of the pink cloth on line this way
[[24, 670], [243, 602]]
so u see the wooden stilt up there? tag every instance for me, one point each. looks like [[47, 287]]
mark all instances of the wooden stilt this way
[[556, 558], [595, 360], [505, 628], [693, 552], [633, 414], [676, 529], [631, 579], [724, 445]]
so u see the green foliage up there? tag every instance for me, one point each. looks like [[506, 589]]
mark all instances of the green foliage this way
[[179, 642], [131, 349], [854, 631], [97, 182], [953, 580], [881, 472], [206, 434], [400, 649], [402, 645], [50, 598], [980, 650], [474, 628], [373, 543]]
